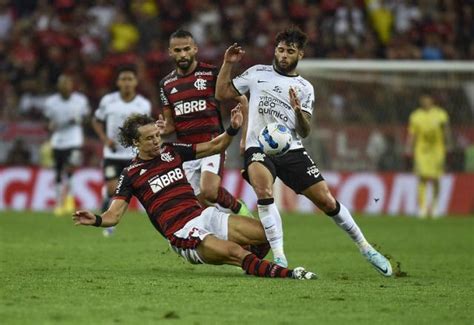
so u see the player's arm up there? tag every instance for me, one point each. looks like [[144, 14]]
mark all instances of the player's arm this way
[[220, 143], [165, 122], [303, 119], [224, 87], [244, 108], [99, 129], [109, 218]]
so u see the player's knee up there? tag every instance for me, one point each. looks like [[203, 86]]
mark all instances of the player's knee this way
[[263, 192], [327, 204], [209, 194], [236, 252]]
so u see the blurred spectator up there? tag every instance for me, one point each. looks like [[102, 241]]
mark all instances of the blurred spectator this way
[[19, 154]]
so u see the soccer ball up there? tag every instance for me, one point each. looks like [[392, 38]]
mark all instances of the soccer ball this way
[[275, 139]]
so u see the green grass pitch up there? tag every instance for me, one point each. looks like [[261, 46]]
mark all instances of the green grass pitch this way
[[55, 273]]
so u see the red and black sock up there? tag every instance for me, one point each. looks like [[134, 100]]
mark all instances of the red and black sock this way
[[227, 200], [254, 266]]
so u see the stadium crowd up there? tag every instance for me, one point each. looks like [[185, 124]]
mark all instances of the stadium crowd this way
[[41, 39]]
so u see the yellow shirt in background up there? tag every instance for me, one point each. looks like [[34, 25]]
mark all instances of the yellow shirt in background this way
[[427, 128]]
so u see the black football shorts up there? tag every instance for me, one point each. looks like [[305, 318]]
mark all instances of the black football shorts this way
[[113, 167], [295, 168]]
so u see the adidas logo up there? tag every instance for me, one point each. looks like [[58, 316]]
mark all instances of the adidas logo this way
[[174, 90], [143, 171]]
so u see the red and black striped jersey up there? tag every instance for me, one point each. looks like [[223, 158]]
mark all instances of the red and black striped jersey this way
[[191, 100], [162, 187]]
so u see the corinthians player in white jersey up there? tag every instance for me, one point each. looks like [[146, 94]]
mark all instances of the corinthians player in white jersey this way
[[279, 94], [114, 109], [66, 111]]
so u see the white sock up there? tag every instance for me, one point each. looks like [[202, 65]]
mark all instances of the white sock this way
[[271, 221], [345, 221], [59, 194]]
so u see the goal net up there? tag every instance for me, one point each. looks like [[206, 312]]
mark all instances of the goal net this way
[[362, 110]]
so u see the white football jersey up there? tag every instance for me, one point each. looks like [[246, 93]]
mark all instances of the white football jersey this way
[[270, 100], [67, 116], [113, 111]]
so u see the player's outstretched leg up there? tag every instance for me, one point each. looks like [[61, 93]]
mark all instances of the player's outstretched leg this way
[[344, 220], [213, 250], [320, 195], [228, 201]]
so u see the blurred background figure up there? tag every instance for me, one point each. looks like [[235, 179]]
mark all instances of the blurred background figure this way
[[66, 111], [113, 110], [428, 139]]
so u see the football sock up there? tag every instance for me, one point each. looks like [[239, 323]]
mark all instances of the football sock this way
[[271, 221], [422, 197], [434, 202], [254, 266], [343, 218], [59, 189], [227, 200]]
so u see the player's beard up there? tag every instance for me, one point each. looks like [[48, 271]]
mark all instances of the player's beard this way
[[285, 69], [185, 64]]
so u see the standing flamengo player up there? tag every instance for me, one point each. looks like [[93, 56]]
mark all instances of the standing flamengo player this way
[[192, 111], [279, 94], [114, 108]]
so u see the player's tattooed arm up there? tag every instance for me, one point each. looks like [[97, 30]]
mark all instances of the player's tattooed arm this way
[[221, 142], [303, 119], [166, 124], [244, 107], [224, 87], [109, 218]]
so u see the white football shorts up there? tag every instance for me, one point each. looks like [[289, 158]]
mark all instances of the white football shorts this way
[[210, 221], [194, 168]]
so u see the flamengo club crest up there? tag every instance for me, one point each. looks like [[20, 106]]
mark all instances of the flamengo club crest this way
[[200, 84]]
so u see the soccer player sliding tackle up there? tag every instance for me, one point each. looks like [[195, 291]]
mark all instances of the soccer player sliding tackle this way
[[200, 235]]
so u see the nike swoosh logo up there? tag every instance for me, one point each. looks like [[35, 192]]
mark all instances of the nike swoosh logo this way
[[384, 271], [266, 228], [260, 81]]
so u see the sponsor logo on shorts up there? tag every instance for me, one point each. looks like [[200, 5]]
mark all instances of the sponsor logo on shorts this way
[[258, 156], [313, 171]]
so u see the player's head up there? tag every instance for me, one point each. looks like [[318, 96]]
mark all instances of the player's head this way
[[141, 132], [183, 49], [65, 85], [426, 101], [289, 49], [127, 80]]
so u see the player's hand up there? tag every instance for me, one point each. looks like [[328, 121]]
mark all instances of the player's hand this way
[[83, 217], [161, 123], [111, 144], [294, 100], [233, 54], [236, 117]]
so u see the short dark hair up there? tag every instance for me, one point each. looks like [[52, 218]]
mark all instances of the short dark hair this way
[[181, 33], [129, 130], [292, 35], [127, 68]]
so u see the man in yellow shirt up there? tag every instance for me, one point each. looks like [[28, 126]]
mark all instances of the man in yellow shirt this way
[[428, 137]]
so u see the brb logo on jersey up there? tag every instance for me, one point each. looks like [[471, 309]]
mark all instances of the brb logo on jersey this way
[[159, 182], [182, 108], [200, 84]]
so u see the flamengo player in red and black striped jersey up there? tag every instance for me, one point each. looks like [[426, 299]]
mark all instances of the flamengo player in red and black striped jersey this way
[[191, 110], [200, 235]]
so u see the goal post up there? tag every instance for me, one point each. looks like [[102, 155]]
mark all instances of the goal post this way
[[362, 108]]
